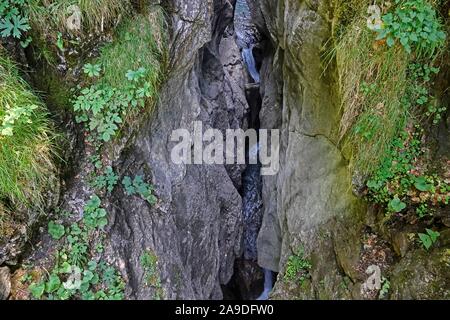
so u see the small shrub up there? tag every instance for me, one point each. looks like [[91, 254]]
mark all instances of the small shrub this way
[[102, 107]]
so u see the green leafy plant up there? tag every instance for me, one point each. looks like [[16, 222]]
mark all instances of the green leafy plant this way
[[385, 287], [76, 275], [37, 289], [297, 267], [102, 107], [78, 245], [60, 41], [14, 117], [13, 21], [92, 70], [396, 205], [56, 230], [397, 183], [108, 180], [429, 238], [94, 215], [415, 24], [138, 186], [422, 184]]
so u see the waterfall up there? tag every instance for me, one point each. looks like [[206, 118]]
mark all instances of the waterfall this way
[[250, 63], [268, 285], [247, 38]]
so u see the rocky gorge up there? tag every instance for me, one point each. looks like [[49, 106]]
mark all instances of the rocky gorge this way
[[226, 231]]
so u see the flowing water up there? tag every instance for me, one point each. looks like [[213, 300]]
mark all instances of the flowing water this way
[[250, 63], [251, 180]]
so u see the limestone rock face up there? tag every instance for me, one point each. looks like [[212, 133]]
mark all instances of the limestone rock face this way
[[196, 229], [422, 275], [313, 186], [310, 204]]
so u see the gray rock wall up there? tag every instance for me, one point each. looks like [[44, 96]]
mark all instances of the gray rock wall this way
[[310, 203], [196, 229]]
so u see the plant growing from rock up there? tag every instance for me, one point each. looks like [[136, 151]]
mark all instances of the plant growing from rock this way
[[102, 107], [385, 287], [415, 25], [297, 267], [107, 180], [77, 274], [429, 238], [137, 186], [149, 262]]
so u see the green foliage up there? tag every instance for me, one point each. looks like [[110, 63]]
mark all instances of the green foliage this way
[[13, 20], [26, 147], [122, 84], [94, 215], [140, 42], [60, 41], [96, 161], [383, 86], [418, 91], [78, 244], [56, 230], [103, 107], [96, 14], [385, 287], [372, 83], [137, 186], [396, 205], [297, 267], [415, 24], [108, 180], [37, 289], [398, 181], [92, 70], [14, 117], [76, 275], [149, 262], [429, 238]]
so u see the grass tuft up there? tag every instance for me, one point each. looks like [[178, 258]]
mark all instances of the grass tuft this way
[[26, 155], [139, 42], [372, 80], [96, 14]]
